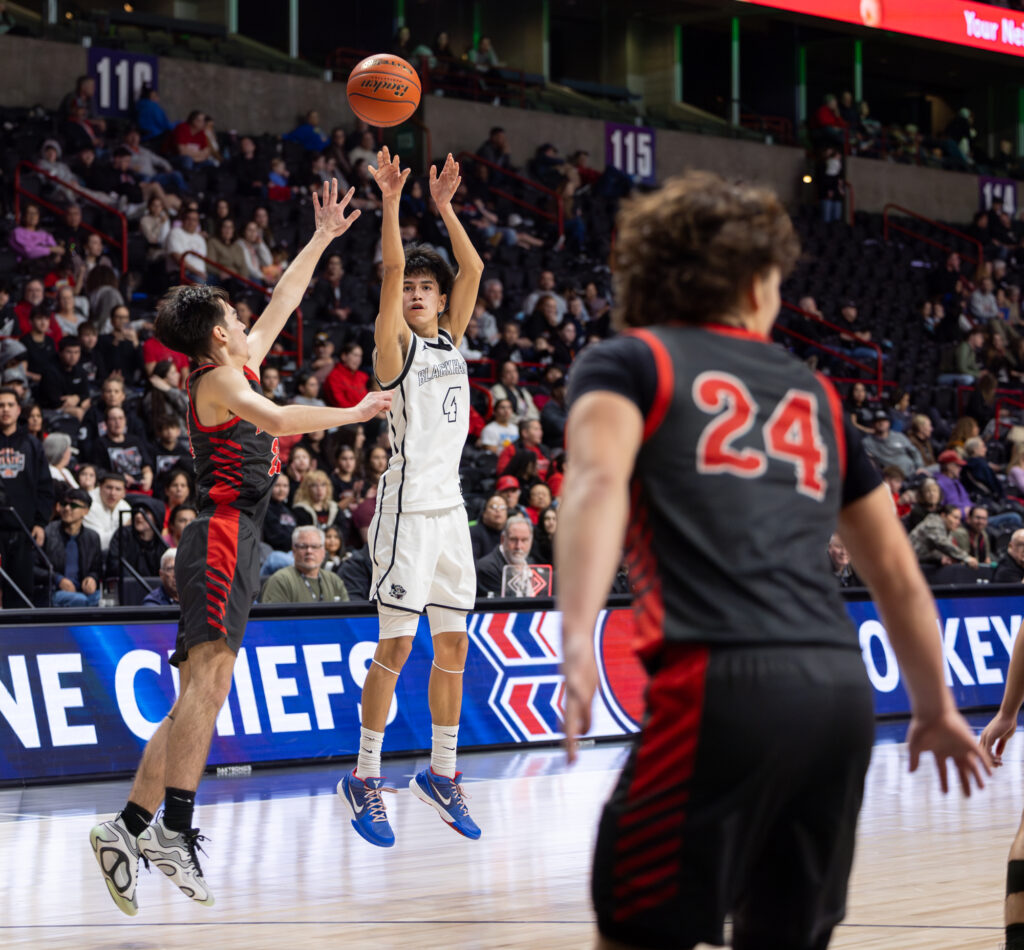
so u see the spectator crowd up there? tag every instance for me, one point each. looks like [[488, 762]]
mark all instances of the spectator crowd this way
[[96, 465], [94, 457]]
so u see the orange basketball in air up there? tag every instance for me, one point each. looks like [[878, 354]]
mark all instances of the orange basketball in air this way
[[383, 90]]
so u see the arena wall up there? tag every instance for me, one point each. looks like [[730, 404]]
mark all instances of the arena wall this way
[[38, 72]]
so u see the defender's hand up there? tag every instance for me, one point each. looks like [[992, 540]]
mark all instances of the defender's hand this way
[[372, 404], [329, 213]]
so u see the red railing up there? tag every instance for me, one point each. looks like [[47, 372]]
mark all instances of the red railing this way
[[259, 288], [961, 391], [1017, 402], [888, 225], [480, 387], [488, 371], [557, 216], [777, 126], [850, 204], [876, 372], [56, 209]]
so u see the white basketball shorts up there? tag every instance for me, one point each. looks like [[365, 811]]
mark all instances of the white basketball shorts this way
[[422, 559]]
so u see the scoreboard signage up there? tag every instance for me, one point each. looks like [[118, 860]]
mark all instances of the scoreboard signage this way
[[979, 25]]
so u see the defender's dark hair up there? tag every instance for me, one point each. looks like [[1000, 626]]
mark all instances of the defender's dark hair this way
[[948, 509], [186, 316], [423, 259], [689, 250]]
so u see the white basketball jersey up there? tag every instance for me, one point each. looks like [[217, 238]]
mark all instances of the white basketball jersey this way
[[427, 426]]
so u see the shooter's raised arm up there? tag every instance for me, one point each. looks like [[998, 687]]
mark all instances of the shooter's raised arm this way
[[467, 282], [390, 333]]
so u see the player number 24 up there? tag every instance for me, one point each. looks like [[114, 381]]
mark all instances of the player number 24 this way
[[791, 433]]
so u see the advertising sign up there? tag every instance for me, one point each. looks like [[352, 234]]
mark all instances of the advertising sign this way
[[82, 699], [77, 700], [995, 29]]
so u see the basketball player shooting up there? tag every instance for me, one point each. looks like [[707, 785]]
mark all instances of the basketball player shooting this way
[[419, 537], [233, 432]]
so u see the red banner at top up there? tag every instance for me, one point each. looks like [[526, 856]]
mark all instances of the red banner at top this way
[[949, 21]]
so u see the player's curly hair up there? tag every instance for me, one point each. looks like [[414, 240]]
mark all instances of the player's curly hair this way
[[423, 259], [686, 252], [186, 316]]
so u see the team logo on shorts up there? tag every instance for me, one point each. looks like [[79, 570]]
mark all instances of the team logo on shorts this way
[[397, 591]]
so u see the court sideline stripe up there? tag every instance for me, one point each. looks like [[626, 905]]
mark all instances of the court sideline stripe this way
[[322, 923]]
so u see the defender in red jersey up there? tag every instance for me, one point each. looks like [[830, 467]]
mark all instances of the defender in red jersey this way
[[725, 465], [233, 431]]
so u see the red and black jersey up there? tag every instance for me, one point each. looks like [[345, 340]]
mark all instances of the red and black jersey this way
[[236, 462], [745, 464]]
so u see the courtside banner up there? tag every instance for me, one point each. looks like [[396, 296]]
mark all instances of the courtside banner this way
[[82, 699], [980, 25]]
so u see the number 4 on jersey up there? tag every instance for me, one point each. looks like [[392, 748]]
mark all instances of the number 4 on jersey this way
[[791, 433], [449, 406]]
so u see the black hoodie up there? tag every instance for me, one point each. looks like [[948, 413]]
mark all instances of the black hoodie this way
[[25, 481]]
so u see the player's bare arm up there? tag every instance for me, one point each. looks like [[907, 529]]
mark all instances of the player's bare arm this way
[[390, 333], [331, 223], [605, 431], [881, 554], [466, 287], [1003, 725], [226, 388]]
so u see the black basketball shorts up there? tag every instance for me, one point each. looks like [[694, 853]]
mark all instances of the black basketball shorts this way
[[740, 797], [217, 569]]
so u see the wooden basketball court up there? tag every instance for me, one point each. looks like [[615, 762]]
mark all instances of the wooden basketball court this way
[[287, 871]]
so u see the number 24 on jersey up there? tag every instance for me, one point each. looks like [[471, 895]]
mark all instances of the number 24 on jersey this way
[[791, 433]]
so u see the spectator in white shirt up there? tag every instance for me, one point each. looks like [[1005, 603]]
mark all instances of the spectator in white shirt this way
[[105, 518], [502, 430], [187, 238]]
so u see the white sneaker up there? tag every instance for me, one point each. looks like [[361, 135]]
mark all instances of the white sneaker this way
[[117, 854], [174, 853]]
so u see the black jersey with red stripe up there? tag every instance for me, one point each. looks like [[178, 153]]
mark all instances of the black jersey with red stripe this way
[[745, 464], [236, 462]]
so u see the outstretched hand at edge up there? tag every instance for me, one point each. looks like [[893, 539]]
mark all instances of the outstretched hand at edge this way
[[329, 212]]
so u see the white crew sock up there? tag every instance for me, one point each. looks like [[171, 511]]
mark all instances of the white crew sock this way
[[444, 740], [370, 744]]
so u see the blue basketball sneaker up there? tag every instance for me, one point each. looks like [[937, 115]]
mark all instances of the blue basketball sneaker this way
[[369, 818], [446, 795]]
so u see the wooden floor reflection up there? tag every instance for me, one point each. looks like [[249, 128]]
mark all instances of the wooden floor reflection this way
[[288, 871]]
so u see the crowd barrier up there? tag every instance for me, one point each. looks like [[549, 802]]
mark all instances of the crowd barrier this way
[[82, 691]]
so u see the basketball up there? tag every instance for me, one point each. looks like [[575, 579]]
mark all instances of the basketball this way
[[383, 90]]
